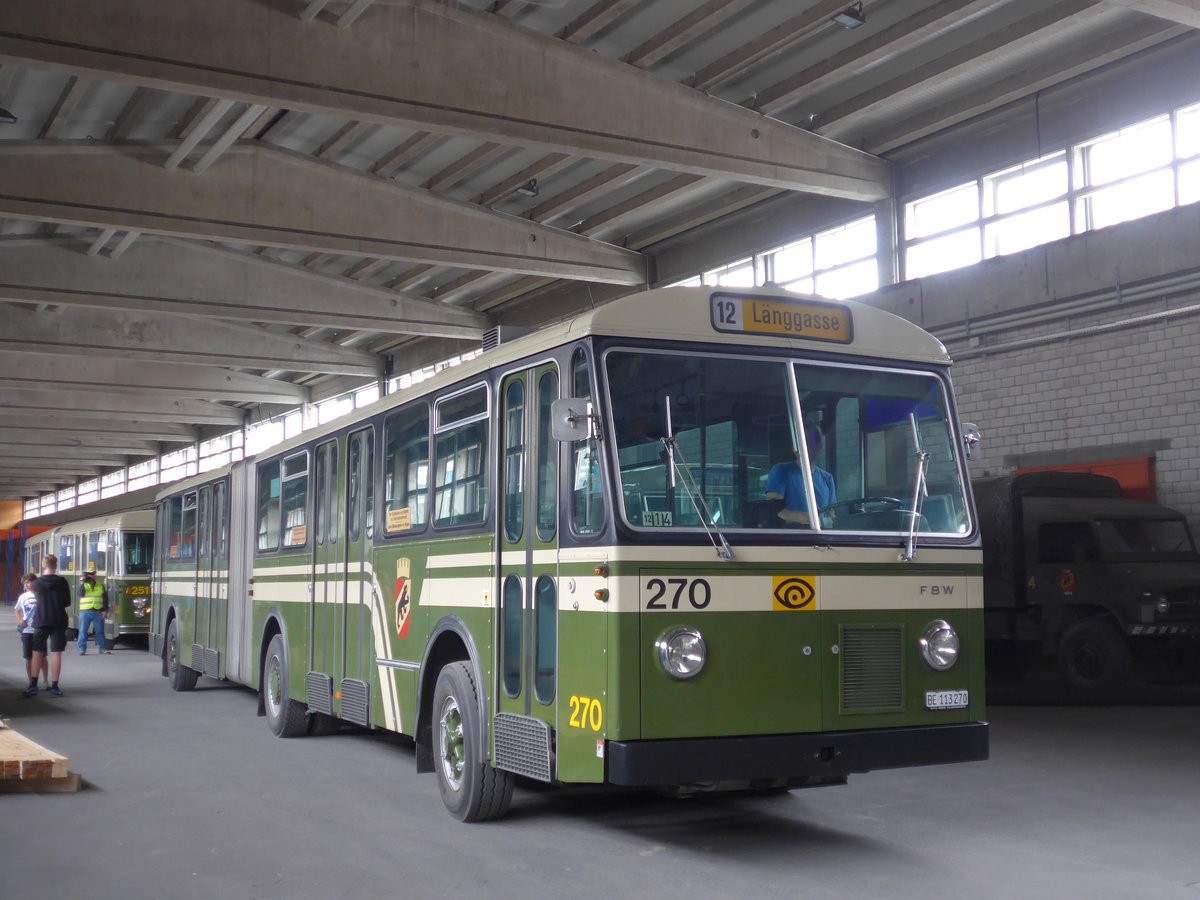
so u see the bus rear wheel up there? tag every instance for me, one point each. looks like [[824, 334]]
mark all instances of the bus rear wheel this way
[[286, 717], [182, 678], [472, 790]]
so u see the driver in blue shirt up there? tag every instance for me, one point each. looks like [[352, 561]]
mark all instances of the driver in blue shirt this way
[[786, 482]]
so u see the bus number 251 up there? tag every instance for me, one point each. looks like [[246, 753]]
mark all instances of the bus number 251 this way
[[586, 713]]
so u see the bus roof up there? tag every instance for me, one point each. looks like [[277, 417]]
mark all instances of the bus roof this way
[[126, 520], [686, 314]]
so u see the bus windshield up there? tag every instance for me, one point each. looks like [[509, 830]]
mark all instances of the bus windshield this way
[[139, 547], [762, 437]]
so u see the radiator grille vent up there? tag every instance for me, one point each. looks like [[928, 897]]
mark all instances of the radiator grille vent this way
[[212, 663], [502, 334], [872, 669], [523, 746], [356, 702], [320, 693]]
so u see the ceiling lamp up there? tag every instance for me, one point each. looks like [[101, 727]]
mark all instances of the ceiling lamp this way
[[851, 16]]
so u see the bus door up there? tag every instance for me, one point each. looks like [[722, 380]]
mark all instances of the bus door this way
[[211, 588], [327, 586], [357, 630], [204, 581], [527, 676]]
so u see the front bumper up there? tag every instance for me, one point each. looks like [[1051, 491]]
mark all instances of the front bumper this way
[[836, 753]]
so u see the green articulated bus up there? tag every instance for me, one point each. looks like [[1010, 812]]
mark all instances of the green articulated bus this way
[[695, 539], [120, 547]]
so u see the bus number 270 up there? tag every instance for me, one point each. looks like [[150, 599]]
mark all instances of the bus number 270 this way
[[672, 591], [586, 713]]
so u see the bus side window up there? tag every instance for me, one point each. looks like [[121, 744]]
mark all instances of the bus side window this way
[[586, 488], [268, 506], [405, 471]]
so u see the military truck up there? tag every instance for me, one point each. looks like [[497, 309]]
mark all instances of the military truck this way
[[1099, 582]]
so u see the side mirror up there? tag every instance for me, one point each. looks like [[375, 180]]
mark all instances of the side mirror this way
[[572, 419], [970, 437]]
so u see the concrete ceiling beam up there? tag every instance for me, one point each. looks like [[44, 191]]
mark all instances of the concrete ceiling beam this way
[[276, 198], [70, 375], [1185, 12], [114, 407], [433, 65], [173, 339], [55, 438], [185, 278]]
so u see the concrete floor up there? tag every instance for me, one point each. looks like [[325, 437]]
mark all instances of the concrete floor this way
[[190, 796]]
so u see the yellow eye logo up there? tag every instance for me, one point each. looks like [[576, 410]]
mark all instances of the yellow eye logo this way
[[794, 592]]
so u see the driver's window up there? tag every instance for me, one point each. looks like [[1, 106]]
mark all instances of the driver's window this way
[[868, 429]]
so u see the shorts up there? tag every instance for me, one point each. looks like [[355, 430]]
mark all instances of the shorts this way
[[54, 639], [27, 644]]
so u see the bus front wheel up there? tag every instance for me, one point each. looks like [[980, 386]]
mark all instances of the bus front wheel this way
[[472, 790], [183, 678], [286, 717]]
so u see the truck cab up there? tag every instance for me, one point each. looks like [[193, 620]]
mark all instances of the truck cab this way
[[1076, 570]]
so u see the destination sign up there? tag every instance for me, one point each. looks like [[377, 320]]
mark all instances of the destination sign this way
[[809, 319]]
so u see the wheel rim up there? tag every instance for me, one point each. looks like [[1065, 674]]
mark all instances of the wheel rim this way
[[1089, 662], [274, 687], [172, 652], [451, 744]]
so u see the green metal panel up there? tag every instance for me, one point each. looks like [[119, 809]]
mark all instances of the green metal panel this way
[[123, 590], [916, 676], [758, 679], [586, 705]]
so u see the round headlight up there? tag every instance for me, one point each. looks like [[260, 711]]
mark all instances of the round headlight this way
[[681, 652], [939, 645], [1162, 605]]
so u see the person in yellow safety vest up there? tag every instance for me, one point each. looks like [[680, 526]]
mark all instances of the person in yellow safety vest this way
[[93, 609]]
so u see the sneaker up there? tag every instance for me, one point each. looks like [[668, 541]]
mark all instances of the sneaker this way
[[83, 653], [56, 692], [29, 692], [106, 652]]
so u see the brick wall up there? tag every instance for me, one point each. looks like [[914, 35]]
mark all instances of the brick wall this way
[[1046, 387]]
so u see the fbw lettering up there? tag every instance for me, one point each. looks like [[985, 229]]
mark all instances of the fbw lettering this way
[[936, 590]]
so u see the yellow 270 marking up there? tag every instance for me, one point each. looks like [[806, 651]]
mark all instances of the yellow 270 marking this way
[[586, 713]]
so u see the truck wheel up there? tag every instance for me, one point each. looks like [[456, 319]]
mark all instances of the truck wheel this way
[[285, 716], [1094, 656], [472, 790], [182, 678]]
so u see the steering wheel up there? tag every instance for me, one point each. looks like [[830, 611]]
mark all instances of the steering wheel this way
[[862, 505]]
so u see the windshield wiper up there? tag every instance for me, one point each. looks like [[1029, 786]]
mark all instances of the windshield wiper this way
[[724, 551], [919, 493]]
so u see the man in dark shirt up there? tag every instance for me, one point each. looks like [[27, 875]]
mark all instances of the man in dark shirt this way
[[54, 599]]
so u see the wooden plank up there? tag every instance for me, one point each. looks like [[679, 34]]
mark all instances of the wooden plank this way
[[69, 784], [21, 759]]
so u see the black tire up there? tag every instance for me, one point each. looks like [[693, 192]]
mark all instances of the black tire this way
[[1094, 656], [472, 790], [182, 678], [321, 725], [286, 717]]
